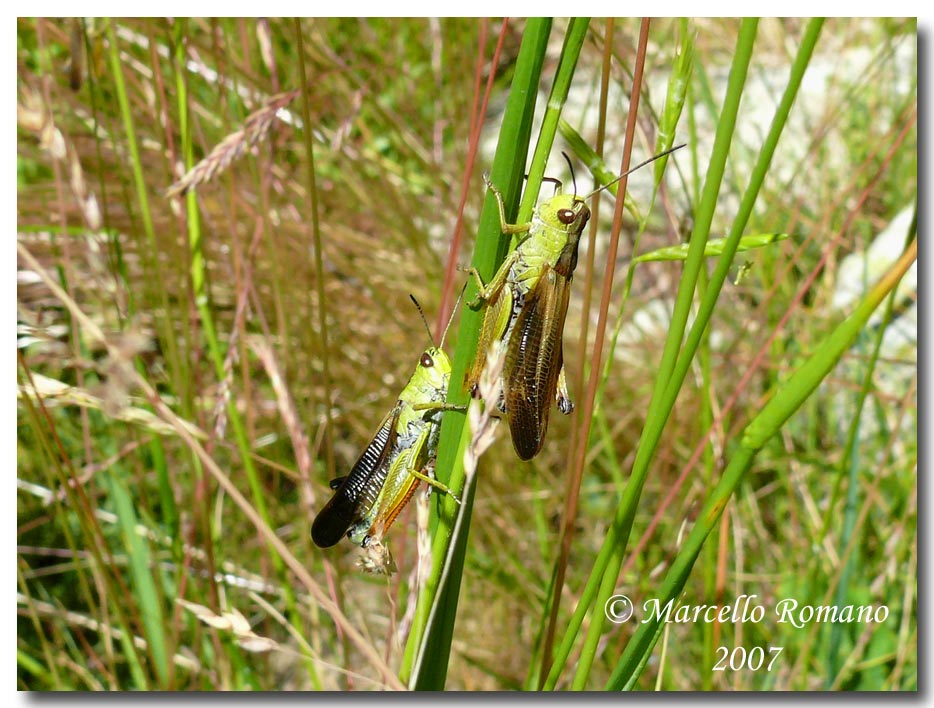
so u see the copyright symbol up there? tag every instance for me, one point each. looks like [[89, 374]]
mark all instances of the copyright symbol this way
[[618, 609]]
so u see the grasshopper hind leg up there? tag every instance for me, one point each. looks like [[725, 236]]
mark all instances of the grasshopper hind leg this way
[[434, 484], [563, 398]]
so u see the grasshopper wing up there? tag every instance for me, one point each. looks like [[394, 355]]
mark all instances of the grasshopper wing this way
[[399, 486], [534, 357], [356, 493]]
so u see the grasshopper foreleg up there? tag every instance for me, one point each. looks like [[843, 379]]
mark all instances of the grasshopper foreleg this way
[[437, 406], [504, 226]]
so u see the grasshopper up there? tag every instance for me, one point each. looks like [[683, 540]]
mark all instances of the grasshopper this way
[[526, 306], [384, 478]]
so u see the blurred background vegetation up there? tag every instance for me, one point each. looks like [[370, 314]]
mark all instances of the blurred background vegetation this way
[[266, 312]]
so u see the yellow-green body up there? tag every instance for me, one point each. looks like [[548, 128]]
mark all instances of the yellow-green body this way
[[388, 471], [526, 307]]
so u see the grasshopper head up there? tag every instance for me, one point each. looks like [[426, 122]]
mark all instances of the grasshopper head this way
[[434, 368], [567, 212]]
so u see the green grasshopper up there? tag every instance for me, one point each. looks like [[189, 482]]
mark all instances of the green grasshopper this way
[[384, 478], [526, 305]]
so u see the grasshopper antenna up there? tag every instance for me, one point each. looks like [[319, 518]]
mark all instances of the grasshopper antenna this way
[[571, 167], [451, 318], [640, 165], [422, 313]]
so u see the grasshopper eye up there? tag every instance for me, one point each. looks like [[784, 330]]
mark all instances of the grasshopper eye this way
[[566, 216], [426, 361]]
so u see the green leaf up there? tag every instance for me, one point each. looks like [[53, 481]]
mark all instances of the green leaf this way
[[711, 248]]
